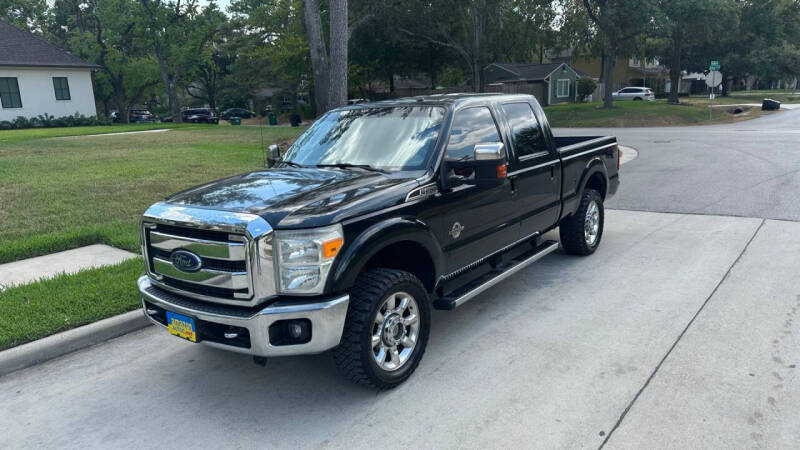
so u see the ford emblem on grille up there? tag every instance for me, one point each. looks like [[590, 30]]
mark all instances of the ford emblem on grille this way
[[186, 261]]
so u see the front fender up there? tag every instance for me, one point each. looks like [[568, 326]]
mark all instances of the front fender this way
[[379, 236]]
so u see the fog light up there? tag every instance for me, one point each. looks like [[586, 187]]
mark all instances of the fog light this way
[[295, 330], [290, 332]]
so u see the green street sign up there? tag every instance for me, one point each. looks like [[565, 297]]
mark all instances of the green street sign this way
[[714, 65]]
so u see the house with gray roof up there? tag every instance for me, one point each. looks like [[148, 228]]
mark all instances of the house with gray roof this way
[[549, 83], [38, 78]]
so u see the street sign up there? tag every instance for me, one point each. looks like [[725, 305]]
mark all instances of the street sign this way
[[714, 79]]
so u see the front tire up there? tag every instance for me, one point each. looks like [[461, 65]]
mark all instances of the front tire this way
[[386, 330], [581, 232]]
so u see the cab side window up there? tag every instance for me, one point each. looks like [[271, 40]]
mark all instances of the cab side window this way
[[526, 134], [471, 126]]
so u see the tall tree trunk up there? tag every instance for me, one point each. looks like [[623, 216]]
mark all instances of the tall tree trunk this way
[[319, 54], [119, 99], [609, 60], [337, 88], [675, 67]]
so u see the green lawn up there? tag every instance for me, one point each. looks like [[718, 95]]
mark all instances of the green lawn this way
[[59, 193], [637, 114], [64, 192], [40, 309]]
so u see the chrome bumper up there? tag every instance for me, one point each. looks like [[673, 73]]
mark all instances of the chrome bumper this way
[[326, 316]]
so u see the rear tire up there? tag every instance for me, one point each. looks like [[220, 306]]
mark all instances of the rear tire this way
[[581, 232], [386, 330]]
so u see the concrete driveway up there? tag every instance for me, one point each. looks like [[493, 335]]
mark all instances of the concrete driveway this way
[[554, 357]]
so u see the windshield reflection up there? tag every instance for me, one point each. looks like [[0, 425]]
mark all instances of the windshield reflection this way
[[392, 138]]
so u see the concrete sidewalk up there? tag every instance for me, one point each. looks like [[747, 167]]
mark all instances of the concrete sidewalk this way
[[70, 261]]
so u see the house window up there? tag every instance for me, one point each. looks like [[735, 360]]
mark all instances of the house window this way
[[562, 88], [9, 93], [61, 87]]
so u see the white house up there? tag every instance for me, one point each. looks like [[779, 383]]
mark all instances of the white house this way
[[38, 78]]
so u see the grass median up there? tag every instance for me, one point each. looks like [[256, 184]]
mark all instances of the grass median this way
[[39, 309], [656, 113]]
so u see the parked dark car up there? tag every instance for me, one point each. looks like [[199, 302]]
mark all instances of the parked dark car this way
[[199, 115], [237, 112], [378, 213], [141, 115]]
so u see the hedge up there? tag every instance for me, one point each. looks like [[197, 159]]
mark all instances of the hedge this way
[[48, 121]]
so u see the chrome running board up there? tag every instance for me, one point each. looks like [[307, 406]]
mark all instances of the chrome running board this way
[[468, 292]]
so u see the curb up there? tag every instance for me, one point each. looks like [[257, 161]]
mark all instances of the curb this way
[[60, 344], [628, 154]]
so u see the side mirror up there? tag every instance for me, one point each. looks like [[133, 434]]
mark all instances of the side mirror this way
[[486, 168], [273, 155], [489, 152]]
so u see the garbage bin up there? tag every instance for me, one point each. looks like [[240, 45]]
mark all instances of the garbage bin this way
[[236, 120], [273, 119], [770, 105], [295, 120]]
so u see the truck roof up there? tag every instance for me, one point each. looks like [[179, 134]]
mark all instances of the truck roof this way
[[455, 99]]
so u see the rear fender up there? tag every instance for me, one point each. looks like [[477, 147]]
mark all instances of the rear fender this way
[[595, 165]]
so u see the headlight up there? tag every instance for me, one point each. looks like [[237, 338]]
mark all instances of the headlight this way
[[304, 258]]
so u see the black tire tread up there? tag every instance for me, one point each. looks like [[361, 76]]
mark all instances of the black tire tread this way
[[370, 287], [571, 228]]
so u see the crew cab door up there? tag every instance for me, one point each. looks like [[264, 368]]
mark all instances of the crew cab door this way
[[534, 169], [473, 221]]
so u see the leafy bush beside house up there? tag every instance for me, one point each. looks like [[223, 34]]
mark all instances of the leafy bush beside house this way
[[586, 86], [48, 121]]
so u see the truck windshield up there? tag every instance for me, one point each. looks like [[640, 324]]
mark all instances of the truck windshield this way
[[389, 138]]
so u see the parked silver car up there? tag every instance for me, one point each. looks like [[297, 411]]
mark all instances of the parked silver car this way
[[634, 93]]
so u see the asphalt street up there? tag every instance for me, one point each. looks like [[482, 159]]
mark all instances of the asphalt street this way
[[747, 169], [680, 332]]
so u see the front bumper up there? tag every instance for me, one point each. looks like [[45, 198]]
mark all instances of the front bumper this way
[[327, 318]]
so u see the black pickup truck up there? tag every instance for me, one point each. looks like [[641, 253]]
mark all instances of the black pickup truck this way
[[376, 214]]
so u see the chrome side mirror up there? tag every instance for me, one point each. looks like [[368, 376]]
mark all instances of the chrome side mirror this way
[[273, 155], [489, 152]]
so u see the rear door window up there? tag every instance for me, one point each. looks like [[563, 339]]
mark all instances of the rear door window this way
[[526, 133], [471, 126]]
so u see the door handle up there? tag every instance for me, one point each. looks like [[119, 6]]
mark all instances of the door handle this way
[[552, 171]]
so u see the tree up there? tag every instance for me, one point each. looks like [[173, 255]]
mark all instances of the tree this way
[[27, 14], [212, 69], [618, 21], [178, 33], [329, 69], [692, 23], [457, 25], [109, 33], [586, 87]]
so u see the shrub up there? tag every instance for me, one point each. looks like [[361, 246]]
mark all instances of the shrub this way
[[586, 86], [46, 120]]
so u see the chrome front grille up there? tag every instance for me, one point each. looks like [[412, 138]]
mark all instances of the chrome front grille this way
[[235, 251]]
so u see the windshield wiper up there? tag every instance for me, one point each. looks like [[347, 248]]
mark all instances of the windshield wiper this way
[[290, 163], [356, 166]]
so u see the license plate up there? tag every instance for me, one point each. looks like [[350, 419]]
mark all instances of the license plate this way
[[181, 326]]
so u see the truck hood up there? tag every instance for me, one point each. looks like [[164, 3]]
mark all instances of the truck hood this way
[[298, 197]]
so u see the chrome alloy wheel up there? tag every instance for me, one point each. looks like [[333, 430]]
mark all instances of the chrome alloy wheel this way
[[395, 331], [591, 223]]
